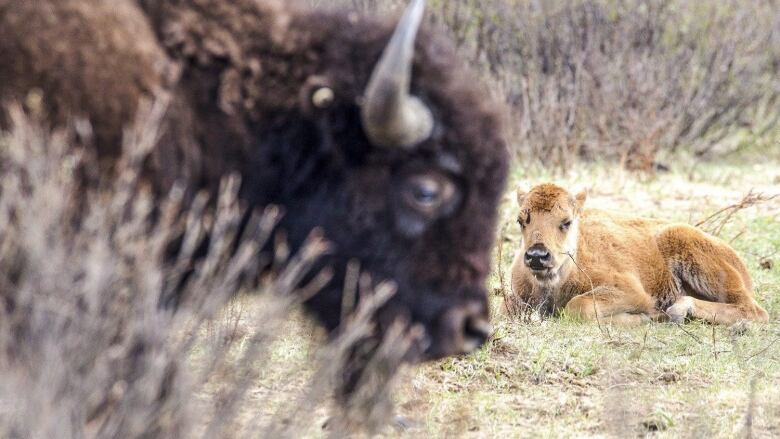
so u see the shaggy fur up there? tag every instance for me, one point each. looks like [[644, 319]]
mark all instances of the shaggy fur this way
[[628, 269], [109, 44], [241, 76]]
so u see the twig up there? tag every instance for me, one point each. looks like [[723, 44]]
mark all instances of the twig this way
[[757, 353], [592, 293], [501, 276], [718, 220], [751, 408], [641, 350], [690, 334], [714, 348], [737, 236], [764, 256]]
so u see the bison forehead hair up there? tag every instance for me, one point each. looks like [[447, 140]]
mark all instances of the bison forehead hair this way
[[318, 113], [546, 197]]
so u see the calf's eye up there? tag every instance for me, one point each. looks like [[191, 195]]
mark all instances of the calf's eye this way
[[565, 225]]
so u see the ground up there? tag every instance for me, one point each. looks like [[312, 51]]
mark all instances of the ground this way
[[559, 378]]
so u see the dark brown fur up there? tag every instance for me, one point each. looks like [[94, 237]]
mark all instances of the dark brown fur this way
[[240, 75]]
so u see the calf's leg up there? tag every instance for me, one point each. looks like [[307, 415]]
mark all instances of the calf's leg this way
[[716, 281], [605, 304], [715, 312]]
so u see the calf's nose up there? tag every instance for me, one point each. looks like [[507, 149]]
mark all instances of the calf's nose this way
[[537, 256]]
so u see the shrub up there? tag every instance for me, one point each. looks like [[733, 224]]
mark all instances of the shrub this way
[[86, 348], [622, 80]]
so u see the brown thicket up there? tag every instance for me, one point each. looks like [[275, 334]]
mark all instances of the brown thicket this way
[[86, 349], [598, 79]]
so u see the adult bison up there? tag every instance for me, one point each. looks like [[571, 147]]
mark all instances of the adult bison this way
[[379, 137]]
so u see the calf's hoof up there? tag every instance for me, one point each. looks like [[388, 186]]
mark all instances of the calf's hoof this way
[[680, 310]]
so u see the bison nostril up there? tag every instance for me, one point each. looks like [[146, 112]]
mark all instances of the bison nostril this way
[[460, 330], [475, 333]]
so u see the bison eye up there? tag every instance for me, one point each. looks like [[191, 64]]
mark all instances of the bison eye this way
[[565, 225], [428, 194]]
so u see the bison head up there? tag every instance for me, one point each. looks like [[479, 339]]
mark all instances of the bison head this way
[[548, 220], [395, 154]]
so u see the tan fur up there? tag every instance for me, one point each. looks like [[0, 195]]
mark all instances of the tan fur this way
[[628, 270]]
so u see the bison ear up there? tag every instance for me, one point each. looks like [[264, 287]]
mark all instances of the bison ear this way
[[579, 200], [521, 193], [315, 95]]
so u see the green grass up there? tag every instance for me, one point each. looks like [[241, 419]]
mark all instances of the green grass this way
[[561, 378]]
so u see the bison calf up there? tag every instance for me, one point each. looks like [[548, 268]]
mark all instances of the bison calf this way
[[597, 264]]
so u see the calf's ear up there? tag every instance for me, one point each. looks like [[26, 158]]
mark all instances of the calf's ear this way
[[579, 200], [521, 193]]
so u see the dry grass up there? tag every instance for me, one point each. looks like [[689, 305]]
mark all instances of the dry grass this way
[[89, 350], [559, 378]]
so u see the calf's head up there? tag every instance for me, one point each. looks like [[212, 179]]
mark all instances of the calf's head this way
[[548, 219]]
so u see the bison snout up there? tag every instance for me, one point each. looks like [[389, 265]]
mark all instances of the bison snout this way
[[460, 330], [538, 258]]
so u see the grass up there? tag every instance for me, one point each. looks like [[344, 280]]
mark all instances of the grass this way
[[560, 378]]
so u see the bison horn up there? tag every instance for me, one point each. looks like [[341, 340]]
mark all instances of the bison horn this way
[[391, 116]]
